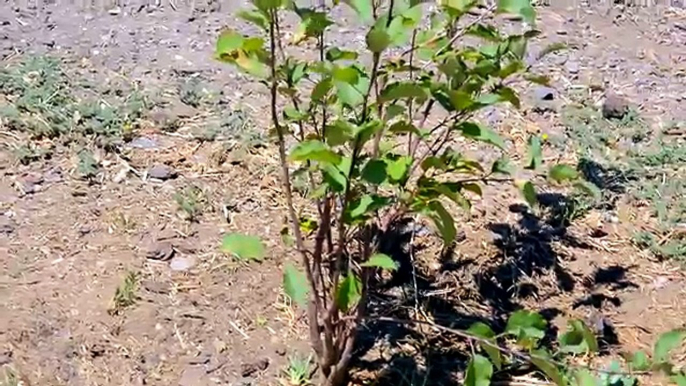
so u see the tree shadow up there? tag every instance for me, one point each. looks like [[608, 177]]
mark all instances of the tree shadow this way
[[399, 354]]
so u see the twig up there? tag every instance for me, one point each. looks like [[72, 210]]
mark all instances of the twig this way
[[238, 329]]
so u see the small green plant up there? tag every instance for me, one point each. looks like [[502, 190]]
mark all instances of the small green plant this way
[[375, 141], [88, 166], [9, 378], [192, 92], [298, 372], [125, 295], [191, 201]]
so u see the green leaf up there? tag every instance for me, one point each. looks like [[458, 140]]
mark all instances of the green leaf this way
[[481, 133], [374, 172], [458, 6], [314, 150], [561, 173], [443, 221], [295, 284], [522, 8], [348, 94], [578, 339], [583, 377], [251, 64], [363, 8], [503, 165], [542, 360], [528, 191], [397, 169], [535, 153], [321, 89], [509, 95], [227, 44], [666, 343], [378, 39], [243, 247], [312, 25], [335, 54], [403, 90], [479, 371], [543, 80], [483, 331], [366, 205], [589, 188], [255, 17], [382, 261], [268, 5], [526, 325], [679, 379], [640, 361], [348, 292], [551, 48]]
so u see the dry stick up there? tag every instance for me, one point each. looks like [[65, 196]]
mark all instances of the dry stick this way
[[314, 301], [525, 357]]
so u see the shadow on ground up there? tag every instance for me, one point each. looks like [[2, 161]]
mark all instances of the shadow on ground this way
[[523, 251]]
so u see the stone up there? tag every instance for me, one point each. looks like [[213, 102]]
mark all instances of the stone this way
[[162, 250], [544, 93], [7, 225], [248, 369], [162, 172], [572, 67], [180, 263], [615, 107]]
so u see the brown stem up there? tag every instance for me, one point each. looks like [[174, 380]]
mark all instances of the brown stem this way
[[286, 182]]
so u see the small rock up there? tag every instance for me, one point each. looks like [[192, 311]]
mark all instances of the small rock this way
[[162, 172], [143, 143], [193, 376], [561, 32], [7, 225], [248, 369], [280, 351], [84, 230], [201, 359], [572, 67], [179, 263], [156, 287], [599, 232], [30, 183], [160, 251], [615, 107], [5, 358], [53, 175], [544, 93], [114, 11]]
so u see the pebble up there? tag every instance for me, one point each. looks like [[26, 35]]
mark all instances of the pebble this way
[[162, 172], [7, 225], [143, 143], [572, 67], [179, 263], [160, 251], [248, 369], [544, 93]]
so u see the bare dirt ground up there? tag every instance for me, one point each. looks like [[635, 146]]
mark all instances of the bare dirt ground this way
[[73, 228]]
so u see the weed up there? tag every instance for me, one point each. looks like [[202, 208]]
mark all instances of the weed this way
[[298, 372], [41, 102], [125, 295], [87, 167], [192, 92], [191, 201], [29, 152], [119, 220], [10, 378]]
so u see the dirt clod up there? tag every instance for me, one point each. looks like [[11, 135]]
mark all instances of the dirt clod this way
[[615, 107], [248, 369]]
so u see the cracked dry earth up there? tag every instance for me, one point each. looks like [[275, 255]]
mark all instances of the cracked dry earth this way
[[201, 319]]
